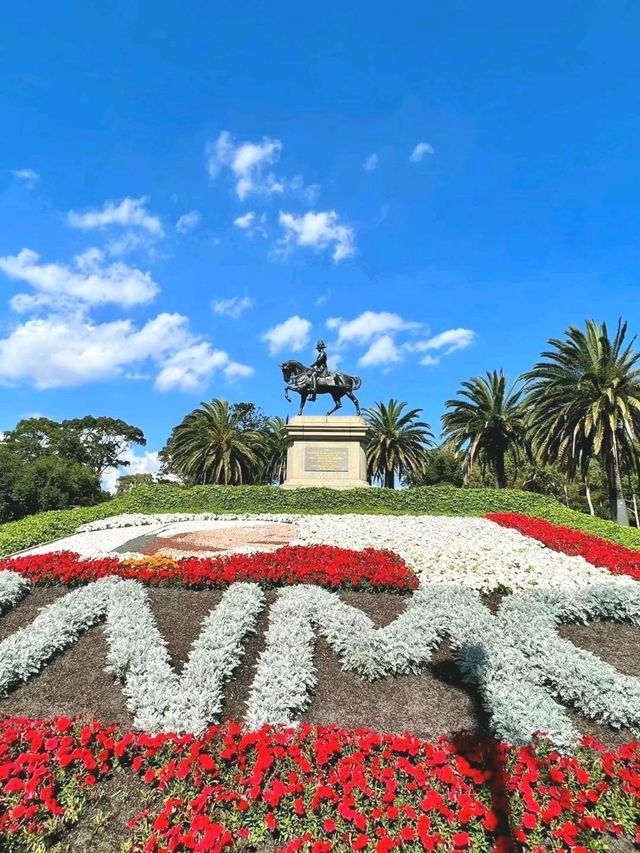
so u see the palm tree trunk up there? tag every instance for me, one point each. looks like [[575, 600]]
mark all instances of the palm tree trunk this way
[[587, 491], [389, 479], [499, 472], [617, 503]]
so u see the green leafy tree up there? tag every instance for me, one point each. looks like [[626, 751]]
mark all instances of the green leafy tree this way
[[95, 442], [103, 441], [397, 443], [48, 482], [583, 400], [130, 481], [33, 438], [250, 417], [211, 446], [485, 422], [440, 466]]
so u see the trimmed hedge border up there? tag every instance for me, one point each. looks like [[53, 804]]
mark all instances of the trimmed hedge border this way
[[429, 500]]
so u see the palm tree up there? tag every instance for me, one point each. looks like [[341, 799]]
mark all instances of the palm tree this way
[[275, 450], [486, 422], [211, 446], [397, 443], [584, 402]]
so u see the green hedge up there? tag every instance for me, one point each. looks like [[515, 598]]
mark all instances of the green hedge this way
[[433, 500]]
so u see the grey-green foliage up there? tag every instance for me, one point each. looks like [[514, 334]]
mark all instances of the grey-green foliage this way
[[574, 675]]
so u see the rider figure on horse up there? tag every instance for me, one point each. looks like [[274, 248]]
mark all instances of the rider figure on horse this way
[[318, 368]]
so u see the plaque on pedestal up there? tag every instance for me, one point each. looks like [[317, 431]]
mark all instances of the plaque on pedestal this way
[[326, 452]]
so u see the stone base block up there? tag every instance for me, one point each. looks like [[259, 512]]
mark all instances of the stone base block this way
[[327, 452]]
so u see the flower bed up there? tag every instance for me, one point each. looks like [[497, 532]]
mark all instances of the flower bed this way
[[470, 552], [566, 540], [322, 565], [319, 789]]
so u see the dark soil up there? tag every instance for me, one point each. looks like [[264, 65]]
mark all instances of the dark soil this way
[[179, 614], [28, 608]]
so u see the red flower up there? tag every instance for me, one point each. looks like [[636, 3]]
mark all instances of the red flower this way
[[599, 552], [324, 565]]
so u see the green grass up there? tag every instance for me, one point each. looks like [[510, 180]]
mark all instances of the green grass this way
[[432, 500]]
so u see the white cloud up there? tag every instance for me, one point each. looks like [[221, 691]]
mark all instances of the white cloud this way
[[419, 151], [382, 351], [248, 161], [88, 279], [190, 368], [371, 163], [293, 334], [452, 339], [128, 242], [245, 221], [367, 325], [252, 224], [429, 361], [63, 351], [29, 176], [234, 370], [130, 212], [188, 221], [233, 307], [320, 231]]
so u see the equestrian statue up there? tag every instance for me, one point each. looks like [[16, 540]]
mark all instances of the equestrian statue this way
[[317, 379]]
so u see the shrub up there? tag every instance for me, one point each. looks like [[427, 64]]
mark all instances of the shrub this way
[[426, 500]]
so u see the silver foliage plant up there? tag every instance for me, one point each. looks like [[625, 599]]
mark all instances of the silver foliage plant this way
[[574, 675], [13, 587], [516, 659], [137, 655], [159, 699], [57, 626]]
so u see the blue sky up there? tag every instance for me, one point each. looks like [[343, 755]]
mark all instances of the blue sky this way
[[191, 194]]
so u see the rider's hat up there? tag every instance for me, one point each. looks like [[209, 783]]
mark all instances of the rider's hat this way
[[320, 345]]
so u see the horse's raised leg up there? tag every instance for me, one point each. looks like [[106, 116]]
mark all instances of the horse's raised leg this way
[[338, 404], [354, 400]]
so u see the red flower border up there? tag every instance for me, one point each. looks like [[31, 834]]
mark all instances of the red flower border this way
[[322, 565], [600, 552], [322, 788]]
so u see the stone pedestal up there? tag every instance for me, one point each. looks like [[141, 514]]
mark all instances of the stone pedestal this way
[[326, 452]]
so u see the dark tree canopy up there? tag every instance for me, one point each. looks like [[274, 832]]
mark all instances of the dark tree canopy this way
[[96, 442], [48, 482]]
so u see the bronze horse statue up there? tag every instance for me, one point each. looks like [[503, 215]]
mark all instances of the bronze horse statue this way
[[339, 385]]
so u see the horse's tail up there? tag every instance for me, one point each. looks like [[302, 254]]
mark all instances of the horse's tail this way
[[357, 382]]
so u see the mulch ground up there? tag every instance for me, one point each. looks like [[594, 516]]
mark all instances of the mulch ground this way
[[432, 703]]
